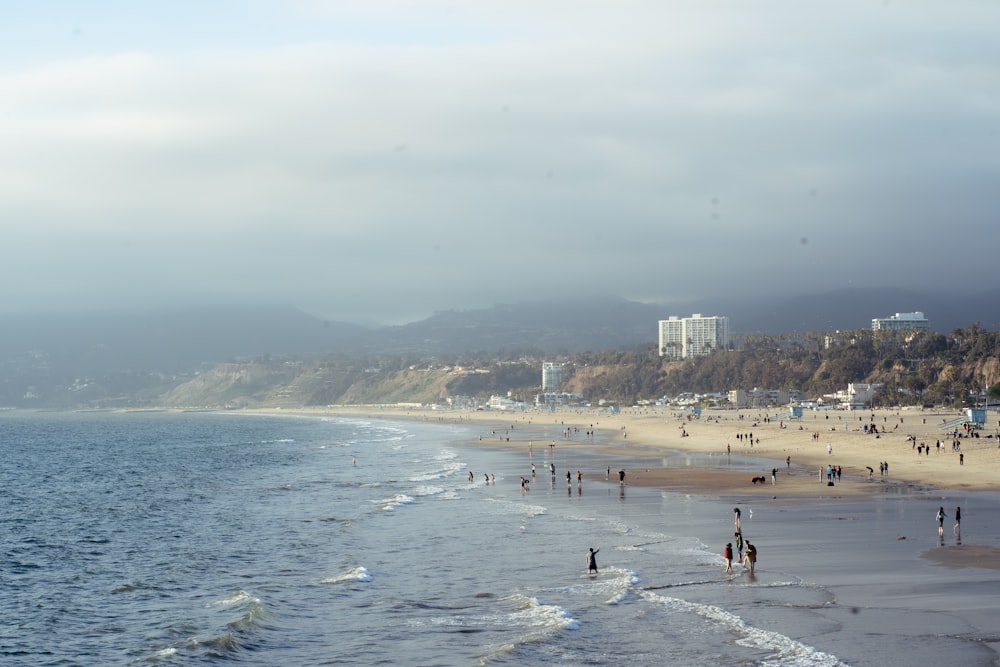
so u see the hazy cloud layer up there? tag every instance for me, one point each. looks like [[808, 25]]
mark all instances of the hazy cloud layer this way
[[383, 160]]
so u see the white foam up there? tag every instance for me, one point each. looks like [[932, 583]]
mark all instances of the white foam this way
[[541, 615], [354, 574], [392, 502], [238, 597], [784, 650]]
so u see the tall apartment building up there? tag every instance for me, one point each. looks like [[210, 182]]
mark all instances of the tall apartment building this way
[[900, 321], [693, 336], [552, 376]]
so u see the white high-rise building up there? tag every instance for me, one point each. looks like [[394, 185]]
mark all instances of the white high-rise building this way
[[900, 321], [693, 336], [552, 376]]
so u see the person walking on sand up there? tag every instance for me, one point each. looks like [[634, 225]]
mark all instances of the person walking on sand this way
[[940, 516], [592, 560], [728, 554]]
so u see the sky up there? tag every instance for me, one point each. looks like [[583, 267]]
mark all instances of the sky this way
[[381, 160]]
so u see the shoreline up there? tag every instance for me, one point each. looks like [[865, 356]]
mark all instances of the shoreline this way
[[649, 439], [804, 443]]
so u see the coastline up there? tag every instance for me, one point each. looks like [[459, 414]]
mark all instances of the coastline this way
[[675, 453], [650, 433]]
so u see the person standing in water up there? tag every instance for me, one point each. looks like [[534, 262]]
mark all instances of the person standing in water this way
[[592, 560], [728, 554], [940, 516], [736, 518], [751, 557]]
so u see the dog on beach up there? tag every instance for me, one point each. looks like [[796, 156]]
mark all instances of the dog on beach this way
[[760, 479]]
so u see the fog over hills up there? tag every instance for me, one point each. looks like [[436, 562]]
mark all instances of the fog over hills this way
[[180, 340]]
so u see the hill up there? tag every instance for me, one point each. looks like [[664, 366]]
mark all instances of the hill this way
[[118, 358]]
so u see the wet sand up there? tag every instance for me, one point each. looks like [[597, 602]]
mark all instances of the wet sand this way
[[869, 543]]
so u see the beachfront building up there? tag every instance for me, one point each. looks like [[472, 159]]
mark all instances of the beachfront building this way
[[683, 337], [507, 404], [552, 376], [900, 322], [552, 399], [857, 395], [762, 398]]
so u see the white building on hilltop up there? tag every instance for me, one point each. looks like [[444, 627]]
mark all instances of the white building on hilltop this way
[[693, 336], [900, 321], [552, 376]]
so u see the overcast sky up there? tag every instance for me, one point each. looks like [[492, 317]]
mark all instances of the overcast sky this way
[[381, 160]]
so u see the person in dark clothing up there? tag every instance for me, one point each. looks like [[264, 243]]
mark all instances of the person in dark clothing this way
[[592, 560]]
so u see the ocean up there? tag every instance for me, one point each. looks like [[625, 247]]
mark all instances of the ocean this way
[[201, 538]]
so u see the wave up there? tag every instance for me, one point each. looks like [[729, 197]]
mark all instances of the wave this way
[[438, 473], [354, 574], [510, 507], [241, 618], [394, 501], [784, 650]]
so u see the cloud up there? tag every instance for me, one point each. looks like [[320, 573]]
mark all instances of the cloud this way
[[427, 156]]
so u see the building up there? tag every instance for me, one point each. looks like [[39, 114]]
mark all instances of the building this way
[[552, 376], [693, 336], [900, 321]]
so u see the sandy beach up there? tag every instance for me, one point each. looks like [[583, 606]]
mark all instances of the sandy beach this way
[[891, 583], [729, 448], [800, 449]]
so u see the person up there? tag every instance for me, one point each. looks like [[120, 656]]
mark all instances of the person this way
[[941, 516], [788, 462], [751, 557], [592, 560], [728, 554], [621, 477], [774, 476], [739, 544], [958, 520], [736, 517]]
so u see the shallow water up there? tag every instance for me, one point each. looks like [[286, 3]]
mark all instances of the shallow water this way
[[277, 540]]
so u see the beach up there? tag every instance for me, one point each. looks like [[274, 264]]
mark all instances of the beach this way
[[804, 442], [725, 449], [856, 568], [371, 535]]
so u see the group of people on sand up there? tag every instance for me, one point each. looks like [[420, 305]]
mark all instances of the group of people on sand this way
[[748, 559]]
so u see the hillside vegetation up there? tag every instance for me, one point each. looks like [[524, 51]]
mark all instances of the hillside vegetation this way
[[923, 367]]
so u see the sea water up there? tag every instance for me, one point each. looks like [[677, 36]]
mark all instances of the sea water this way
[[184, 538]]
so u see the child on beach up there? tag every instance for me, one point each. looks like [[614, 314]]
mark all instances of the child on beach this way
[[728, 555]]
